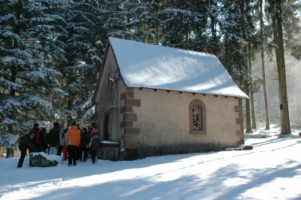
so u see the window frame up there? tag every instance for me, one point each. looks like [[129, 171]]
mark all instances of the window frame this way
[[199, 103]]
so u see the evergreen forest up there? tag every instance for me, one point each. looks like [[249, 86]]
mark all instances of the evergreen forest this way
[[51, 51]]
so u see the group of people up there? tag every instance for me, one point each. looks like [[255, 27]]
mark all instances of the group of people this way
[[73, 142]]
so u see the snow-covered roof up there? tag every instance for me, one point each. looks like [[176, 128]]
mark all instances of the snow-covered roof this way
[[158, 67]]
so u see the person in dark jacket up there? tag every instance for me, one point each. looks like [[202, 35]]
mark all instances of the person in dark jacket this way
[[37, 137], [44, 140], [26, 142], [94, 146], [61, 142], [54, 138], [84, 145]]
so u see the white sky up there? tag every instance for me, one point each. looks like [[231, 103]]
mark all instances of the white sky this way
[[159, 67], [272, 170]]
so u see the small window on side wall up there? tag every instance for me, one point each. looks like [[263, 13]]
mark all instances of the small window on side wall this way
[[197, 116]]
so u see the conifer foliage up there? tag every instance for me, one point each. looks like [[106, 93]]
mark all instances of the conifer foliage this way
[[28, 56], [51, 51], [84, 45]]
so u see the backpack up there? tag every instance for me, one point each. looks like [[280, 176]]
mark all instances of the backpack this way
[[26, 142]]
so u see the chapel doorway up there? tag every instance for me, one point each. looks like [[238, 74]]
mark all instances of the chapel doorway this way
[[106, 127]]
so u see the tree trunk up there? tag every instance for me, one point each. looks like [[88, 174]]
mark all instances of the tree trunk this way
[[246, 79], [279, 51], [254, 126], [251, 91], [214, 41], [9, 152], [248, 111], [267, 118], [248, 118]]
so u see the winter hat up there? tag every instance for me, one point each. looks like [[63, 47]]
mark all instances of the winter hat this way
[[56, 125], [36, 125]]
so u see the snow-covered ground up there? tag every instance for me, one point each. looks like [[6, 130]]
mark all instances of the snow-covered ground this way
[[272, 170]]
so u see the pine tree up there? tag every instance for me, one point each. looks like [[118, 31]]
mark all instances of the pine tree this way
[[27, 72], [184, 24], [87, 34], [283, 24], [142, 20], [292, 26], [237, 30], [215, 38], [263, 42]]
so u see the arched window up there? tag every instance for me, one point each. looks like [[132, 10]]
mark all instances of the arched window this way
[[197, 116]]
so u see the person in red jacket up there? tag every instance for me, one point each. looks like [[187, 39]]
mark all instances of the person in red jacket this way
[[72, 141], [37, 137], [90, 129]]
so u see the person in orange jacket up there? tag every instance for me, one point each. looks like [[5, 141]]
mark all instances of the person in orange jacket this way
[[72, 141]]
